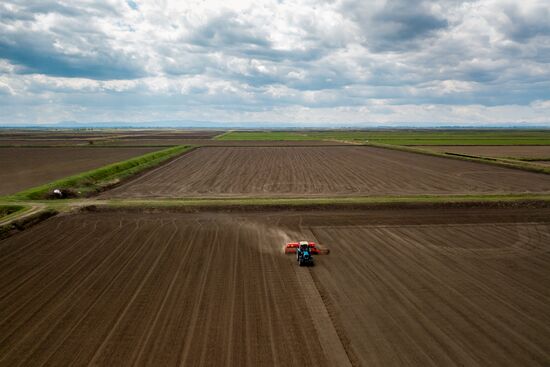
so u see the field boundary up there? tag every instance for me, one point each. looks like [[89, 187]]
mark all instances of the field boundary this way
[[404, 136], [89, 182], [219, 136], [43, 209], [466, 157], [331, 337], [9, 211], [334, 319], [299, 204], [25, 220], [148, 169], [529, 159], [306, 144]]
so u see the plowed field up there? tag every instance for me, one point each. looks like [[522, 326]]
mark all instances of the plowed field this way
[[321, 171], [128, 137], [223, 143], [23, 168], [168, 289]]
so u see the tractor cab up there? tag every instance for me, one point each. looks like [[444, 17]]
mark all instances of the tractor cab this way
[[303, 254], [304, 251], [304, 246]]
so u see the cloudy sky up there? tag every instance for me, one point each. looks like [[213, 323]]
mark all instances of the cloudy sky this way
[[309, 62]]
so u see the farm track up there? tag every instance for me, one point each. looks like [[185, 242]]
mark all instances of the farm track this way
[[321, 171], [406, 287]]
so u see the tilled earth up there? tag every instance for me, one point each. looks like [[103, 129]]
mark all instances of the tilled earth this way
[[223, 143], [322, 171], [400, 287], [26, 167], [74, 137]]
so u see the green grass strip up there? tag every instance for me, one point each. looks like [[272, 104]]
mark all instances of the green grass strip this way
[[290, 203], [361, 200], [95, 180], [10, 210], [467, 142], [404, 137]]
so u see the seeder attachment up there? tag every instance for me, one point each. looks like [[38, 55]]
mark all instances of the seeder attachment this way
[[292, 247]]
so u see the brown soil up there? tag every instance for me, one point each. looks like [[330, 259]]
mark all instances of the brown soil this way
[[23, 168], [215, 289], [495, 151], [104, 137], [43, 142], [321, 171], [226, 143], [470, 295], [158, 290]]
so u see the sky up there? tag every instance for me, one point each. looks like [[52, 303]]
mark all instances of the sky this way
[[304, 62]]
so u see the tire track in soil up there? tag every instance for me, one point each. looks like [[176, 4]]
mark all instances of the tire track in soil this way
[[184, 353], [218, 293], [135, 323], [135, 294], [64, 315], [411, 282], [25, 305], [388, 302], [166, 340], [138, 357], [331, 337], [489, 322], [11, 281], [89, 326], [233, 280]]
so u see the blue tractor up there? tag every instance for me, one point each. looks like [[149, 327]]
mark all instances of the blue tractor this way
[[304, 255]]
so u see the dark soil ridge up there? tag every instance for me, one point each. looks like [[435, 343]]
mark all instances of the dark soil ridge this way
[[20, 225], [370, 214], [222, 207]]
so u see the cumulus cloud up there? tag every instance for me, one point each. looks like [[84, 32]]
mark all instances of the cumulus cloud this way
[[396, 24], [344, 61]]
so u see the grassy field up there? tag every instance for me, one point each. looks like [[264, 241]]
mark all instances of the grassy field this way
[[406, 137], [92, 181]]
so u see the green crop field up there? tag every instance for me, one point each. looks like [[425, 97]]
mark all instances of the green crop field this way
[[406, 137]]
